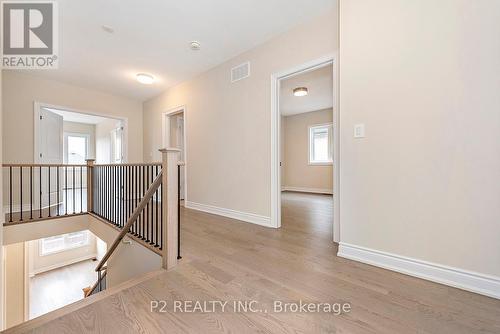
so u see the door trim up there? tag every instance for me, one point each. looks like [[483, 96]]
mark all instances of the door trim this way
[[37, 105], [275, 139], [165, 138]]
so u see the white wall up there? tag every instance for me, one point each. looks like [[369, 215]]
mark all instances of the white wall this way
[[424, 77], [129, 260], [298, 173], [21, 90], [228, 125], [15, 276]]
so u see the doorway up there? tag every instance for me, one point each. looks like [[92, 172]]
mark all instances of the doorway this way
[[174, 136], [68, 137], [322, 138]]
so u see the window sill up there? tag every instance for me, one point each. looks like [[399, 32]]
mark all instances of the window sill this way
[[321, 163]]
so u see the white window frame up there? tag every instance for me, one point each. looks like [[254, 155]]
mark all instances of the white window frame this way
[[310, 129], [66, 248], [75, 134]]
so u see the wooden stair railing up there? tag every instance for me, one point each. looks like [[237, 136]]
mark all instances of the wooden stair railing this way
[[35, 192], [137, 211], [168, 179], [106, 185]]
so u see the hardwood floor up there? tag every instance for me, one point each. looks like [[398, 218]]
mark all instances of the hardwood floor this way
[[59, 287], [227, 260]]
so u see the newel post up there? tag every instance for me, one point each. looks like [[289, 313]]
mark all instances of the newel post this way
[[169, 200], [90, 191]]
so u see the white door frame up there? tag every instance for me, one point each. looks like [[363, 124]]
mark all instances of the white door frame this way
[[165, 137], [36, 117], [275, 139]]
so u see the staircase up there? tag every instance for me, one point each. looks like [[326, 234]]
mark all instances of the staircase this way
[[140, 200]]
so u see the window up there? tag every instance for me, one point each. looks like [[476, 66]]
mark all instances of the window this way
[[320, 144], [60, 243], [76, 148]]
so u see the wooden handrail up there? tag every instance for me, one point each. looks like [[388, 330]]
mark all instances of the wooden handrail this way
[[43, 165], [79, 165], [137, 211], [131, 164]]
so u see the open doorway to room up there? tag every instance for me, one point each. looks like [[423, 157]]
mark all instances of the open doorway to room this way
[[85, 136], [304, 148], [67, 138], [174, 135]]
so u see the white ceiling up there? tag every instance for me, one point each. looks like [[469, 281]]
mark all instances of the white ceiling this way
[[320, 92], [153, 37], [70, 116]]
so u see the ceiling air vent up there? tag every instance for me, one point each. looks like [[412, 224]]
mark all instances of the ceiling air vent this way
[[240, 72]]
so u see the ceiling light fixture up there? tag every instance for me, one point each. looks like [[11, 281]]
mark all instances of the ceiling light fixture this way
[[108, 29], [195, 45], [300, 91], [146, 79]]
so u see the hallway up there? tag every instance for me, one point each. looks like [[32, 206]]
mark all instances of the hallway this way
[[228, 260]]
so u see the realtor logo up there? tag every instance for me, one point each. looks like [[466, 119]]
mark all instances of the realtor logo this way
[[29, 35]]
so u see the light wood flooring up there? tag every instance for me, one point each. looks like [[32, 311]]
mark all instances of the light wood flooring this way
[[227, 260], [59, 287]]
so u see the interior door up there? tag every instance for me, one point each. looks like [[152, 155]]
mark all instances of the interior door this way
[[117, 145], [51, 143]]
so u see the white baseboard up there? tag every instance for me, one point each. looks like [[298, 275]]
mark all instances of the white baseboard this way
[[308, 190], [239, 215], [458, 278], [62, 264]]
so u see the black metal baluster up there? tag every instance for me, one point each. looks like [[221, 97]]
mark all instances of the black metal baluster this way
[[31, 192], [161, 211], [146, 227], [132, 200], [10, 194], [144, 213], [81, 189], [99, 182], [113, 195], [95, 189], [66, 190], [122, 197], [156, 205], [137, 194], [21, 191], [179, 212], [57, 183], [109, 193], [40, 206], [48, 192], [151, 224], [131, 194], [106, 194], [74, 191]]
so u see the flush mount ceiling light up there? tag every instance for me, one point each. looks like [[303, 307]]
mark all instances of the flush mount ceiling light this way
[[108, 29], [144, 78], [195, 45], [300, 91]]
